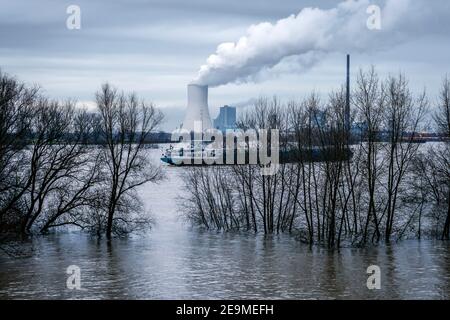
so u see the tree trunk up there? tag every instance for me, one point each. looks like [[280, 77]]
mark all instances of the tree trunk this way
[[446, 232]]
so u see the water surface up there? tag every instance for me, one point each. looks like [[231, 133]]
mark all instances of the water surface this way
[[175, 261]]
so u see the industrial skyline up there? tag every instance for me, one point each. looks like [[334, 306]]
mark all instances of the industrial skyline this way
[[137, 45]]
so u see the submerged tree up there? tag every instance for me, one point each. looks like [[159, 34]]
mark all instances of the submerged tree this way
[[17, 102], [442, 158], [369, 100], [60, 165], [323, 195], [125, 124], [403, 115]]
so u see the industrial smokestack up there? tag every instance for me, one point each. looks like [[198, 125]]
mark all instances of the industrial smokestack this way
[[347, 102], [197, 114]]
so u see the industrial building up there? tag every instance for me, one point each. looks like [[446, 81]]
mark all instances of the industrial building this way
[[197, 114], [226, 120]]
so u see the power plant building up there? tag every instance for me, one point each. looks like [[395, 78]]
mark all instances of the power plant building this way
[[226, 119], [197, 114]]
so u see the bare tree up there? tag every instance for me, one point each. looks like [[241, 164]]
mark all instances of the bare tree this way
[[16, 114], [125, 124], [323, 195], [57, 159], [369, 100], [442, 119], [78, 188], [403, 115], [442, 116]]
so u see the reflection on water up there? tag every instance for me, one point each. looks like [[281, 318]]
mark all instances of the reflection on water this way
[[175, 261], [192, 265]]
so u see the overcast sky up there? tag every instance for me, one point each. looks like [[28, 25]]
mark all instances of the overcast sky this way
[[156, 47]]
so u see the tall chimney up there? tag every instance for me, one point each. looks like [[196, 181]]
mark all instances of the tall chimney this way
[[197, 114], [347, 102]]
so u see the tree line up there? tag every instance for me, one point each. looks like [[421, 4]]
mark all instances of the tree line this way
[[52, 175], [392, 187]]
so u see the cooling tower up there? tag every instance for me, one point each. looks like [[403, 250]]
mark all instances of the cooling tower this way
[[197, 114]]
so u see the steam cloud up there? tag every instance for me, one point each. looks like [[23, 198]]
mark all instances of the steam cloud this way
[[306, 37]]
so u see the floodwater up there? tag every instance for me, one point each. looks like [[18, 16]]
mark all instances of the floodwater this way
[[176, 261]]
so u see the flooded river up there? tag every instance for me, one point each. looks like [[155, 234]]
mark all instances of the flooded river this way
[[176, 261]]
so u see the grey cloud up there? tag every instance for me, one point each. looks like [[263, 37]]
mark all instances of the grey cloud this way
[[155, 48], [310, 33]]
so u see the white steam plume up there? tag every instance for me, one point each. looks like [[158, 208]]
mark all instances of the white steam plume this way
[[313, 32]]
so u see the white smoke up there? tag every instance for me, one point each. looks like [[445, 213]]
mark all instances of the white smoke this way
[[311, 34]]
